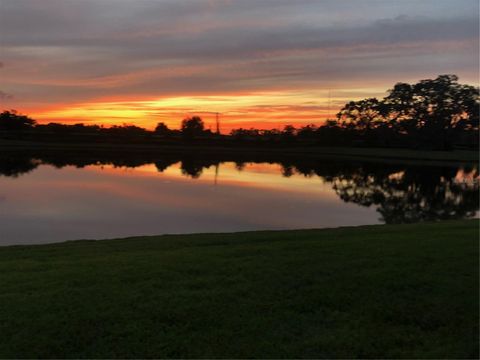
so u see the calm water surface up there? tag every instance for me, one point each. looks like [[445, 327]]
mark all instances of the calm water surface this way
[[42, 202]]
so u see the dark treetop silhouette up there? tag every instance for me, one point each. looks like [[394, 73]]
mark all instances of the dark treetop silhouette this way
[[431, 114]]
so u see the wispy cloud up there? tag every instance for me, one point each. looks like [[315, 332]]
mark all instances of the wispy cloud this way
[[65, 52]]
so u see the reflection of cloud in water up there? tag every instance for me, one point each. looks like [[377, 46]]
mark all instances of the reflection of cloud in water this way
[[77, 203], [112, 196]]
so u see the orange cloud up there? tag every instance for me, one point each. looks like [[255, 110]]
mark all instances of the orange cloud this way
[[260, 110]]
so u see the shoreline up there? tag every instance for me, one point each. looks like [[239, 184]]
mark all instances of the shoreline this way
[[246, 233], [359, 153]]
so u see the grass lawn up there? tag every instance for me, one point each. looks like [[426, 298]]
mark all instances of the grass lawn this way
[[407, 291]]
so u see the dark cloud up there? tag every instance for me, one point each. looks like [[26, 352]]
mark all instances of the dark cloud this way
[[68, 50]]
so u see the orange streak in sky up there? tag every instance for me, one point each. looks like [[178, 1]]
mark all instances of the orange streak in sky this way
[[258, 110]]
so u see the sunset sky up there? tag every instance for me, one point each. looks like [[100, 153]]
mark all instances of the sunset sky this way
[[259, 63]]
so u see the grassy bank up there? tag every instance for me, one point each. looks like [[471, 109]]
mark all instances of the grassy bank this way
[[311, 151], [407, 291]]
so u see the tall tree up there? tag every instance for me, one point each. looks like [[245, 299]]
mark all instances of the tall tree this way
[[192, 127], [361, 115], [434, 113], [437, 109], [162, 129]]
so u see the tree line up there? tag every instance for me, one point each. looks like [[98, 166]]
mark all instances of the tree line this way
[[430, 114]]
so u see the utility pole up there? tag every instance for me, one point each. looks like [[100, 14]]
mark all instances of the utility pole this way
[[217, 119], [218, 122]]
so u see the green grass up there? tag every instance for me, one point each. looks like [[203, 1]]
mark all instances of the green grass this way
[[407, 291]]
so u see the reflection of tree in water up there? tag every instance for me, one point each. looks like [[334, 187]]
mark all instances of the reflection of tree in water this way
[[412, 194], [401, 193], [16, 166], [240, 165], [164, 164], [193, 167]]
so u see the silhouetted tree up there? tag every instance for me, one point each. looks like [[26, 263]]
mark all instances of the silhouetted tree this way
[[307, 132], [162, 129], [435, 113], [361, 115], [126, 130], [246, 134], [192, 127], [13, 121], [434, 109], [289, 132]]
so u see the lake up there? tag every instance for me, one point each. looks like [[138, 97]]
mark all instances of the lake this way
[[56, 197]]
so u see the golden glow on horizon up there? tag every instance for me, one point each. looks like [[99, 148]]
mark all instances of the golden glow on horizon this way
[[260, 110]]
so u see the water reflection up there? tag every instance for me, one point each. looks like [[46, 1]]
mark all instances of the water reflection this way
[[411, 194], [258, 192]]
